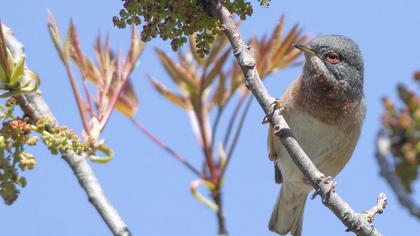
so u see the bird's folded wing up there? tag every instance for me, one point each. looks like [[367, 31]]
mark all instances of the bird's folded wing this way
[[272, 155]]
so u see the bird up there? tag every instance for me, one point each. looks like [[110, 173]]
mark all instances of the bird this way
[[325, 109]]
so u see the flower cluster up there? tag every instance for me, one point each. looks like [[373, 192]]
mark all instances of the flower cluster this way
[[15, 134], [61, 139]]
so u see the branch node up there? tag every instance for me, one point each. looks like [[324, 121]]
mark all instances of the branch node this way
[[246, 60], [278, 129], [381, 203], [329, 185]]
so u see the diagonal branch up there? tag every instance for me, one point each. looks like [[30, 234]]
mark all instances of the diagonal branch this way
[[34, 106], [388, 172], [356, 222]]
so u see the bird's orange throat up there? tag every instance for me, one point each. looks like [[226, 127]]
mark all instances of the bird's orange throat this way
[[322, 100]]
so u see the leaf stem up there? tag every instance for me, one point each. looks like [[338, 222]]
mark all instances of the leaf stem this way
[[215, 125], [76, 92], [232, 120], [235, 139], [165, 147]]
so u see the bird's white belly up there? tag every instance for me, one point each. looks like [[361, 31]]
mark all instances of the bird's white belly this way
[[328, 147]]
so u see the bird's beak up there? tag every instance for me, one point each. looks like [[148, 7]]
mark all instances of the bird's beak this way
[[308, 51]]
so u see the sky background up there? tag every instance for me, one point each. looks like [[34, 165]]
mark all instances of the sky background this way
[[149, 188]]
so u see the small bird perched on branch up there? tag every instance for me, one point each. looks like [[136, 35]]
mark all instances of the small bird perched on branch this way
[[325, 110]]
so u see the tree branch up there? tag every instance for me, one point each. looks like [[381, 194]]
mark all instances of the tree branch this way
[[387, 171], [217, 197], [35, 107], [356, 222]]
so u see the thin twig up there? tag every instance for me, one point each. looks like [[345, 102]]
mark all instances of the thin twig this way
[[88, 98], [203, 124], [35, 107], [216, 125], [217, 198], [165, 147], [239, 128], [353, 220], [79, 101], [232, 120], [387, 170], [379, 208], [208, 153], [235, 138]]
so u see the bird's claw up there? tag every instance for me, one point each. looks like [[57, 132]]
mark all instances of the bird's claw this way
[[330, 188], [272, 157], [277, 106], [331, 185]]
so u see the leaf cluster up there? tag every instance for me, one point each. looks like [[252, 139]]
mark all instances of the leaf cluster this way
[[403, 126], [14, 77], [110, 76], [179, 19]]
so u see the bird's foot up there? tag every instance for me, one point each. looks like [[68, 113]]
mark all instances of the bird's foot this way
[[330, 185], [272, 156], [277, 106]]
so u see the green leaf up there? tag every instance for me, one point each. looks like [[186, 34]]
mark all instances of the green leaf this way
[[30, 85], [218, 46], [194, 49], [17, 72], [10, 62], [407, 172], [4, 55], [200, 197], [3, 74], [108, 155]]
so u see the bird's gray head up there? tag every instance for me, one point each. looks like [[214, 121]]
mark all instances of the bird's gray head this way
[[334, 63]]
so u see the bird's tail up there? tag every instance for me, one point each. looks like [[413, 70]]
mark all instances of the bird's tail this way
[[287, 215]]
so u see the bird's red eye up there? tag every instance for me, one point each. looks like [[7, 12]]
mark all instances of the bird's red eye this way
[[333, 58]]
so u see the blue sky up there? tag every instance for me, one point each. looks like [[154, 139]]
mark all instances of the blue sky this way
[[150, 189]]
